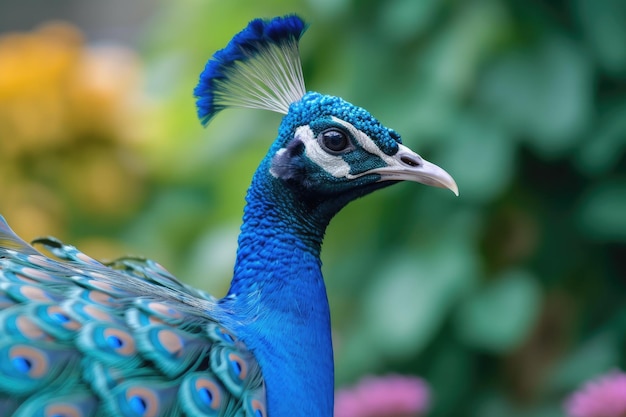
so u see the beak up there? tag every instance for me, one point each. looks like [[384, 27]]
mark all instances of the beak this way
[[406, 165]]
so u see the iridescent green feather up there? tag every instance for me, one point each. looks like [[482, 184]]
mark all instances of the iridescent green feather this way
[[79, 403], [93, 338]]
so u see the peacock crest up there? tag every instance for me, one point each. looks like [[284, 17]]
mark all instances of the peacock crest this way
[[259, 69]]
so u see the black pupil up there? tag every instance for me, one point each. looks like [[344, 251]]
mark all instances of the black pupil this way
[[335, 140]]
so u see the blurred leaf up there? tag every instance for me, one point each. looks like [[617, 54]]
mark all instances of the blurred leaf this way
[[602, 150], [209, 263], [602, 211], [500, 316], [166, 242], [428, 115], [329, 8], [406, 19], [495, 404], [590, 359], [481, 157], [543, 94], [412, 295], [451, 372], [603, 24], [452, 58]]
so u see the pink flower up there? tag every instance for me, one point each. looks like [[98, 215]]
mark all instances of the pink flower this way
[[388, 396], [601, 397]]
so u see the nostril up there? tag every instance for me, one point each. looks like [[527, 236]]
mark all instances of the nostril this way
[[410, 161]]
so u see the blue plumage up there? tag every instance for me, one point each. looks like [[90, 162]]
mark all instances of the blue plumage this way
[[81, 338]]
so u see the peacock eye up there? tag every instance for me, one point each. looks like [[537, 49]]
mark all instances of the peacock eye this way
[[334, 140]]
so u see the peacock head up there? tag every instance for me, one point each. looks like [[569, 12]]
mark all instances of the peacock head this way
[[326, 147]]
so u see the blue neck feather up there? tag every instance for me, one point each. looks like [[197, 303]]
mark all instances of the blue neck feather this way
[[279, 298]]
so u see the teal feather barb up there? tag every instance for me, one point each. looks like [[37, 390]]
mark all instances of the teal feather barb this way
[[78, 336]]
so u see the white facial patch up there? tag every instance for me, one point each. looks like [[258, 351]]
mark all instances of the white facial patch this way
[[334, 164]]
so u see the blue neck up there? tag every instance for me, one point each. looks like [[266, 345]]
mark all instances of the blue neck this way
[[279, 295]]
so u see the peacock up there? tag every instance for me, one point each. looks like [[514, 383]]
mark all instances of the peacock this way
[[79, 337]]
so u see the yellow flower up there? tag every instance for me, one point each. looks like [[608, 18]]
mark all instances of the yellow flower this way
[[70, 114]]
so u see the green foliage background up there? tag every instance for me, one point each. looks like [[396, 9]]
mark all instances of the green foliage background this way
[[504, 299]]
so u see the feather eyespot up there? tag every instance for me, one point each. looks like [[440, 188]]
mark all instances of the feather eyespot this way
[[92, 312], [103, 286], [142, 401], [62, 410], [119, 341], [60, 317], [57, 317], [115, 342], [137, 404], [25, 279], [209, 393], [40, 276], [205, 395], [40, 261], [29, 292], [225, 335], [86, 259], [22, 364], [238, 366], [29, 361], [258, 408], [99, 298], [27, 328], [165, 311], [171, 342]]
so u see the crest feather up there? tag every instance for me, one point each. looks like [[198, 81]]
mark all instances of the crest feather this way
[[259, 68]]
